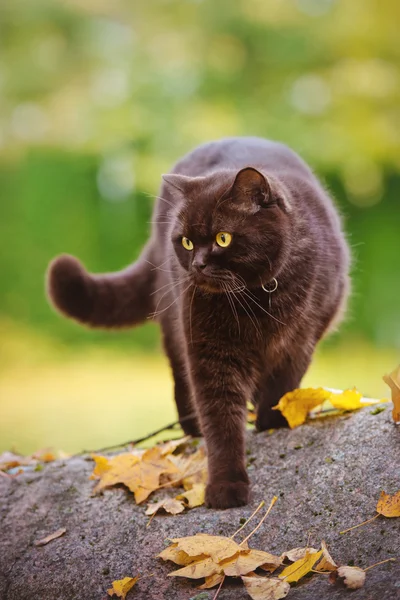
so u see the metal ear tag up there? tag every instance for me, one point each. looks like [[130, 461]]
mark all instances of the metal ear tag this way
[[270, 289]]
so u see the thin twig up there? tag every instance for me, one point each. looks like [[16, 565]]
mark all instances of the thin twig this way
[[259, 507], [380, 563], [274, 499], [359, 525], [219, 588]]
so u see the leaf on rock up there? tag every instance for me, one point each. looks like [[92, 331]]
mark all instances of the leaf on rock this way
[[297, 553], [353, 577], [51, 537], [177, 556], [296, 405], [121, 587], [172, 445], [389, 506], [140, 474], [170, 505], [249, 560], [393, 381], [218, 548], [349, 400], [301, 567], [211, 581], [198, 569], [195, 496], [326, 563], [263, 588]]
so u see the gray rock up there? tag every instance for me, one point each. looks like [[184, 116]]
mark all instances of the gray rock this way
[[327, 475]]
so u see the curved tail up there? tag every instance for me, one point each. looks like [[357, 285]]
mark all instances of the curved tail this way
[[112, 300]]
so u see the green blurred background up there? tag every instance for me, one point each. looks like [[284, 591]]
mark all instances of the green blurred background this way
[[98, 99]]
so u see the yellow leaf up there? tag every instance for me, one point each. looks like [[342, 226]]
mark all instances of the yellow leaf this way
[[326, 563], [393, 381], [211, 581], [177, 556], [195, 496], [196, 570], [170, 505], [296, 405], [218, 547], [121, 587], [263, 588], [297, 553], [389, 506], [172, 445], [350, 400], [247, 561], [354, 577], [141, 474], [301, 567]]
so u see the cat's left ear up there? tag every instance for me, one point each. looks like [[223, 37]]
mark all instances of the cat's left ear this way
[[253, 191]]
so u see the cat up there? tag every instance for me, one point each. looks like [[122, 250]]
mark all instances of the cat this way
[[246, 269]]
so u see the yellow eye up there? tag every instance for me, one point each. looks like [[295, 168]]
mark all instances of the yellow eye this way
[[223, 239], [187, 244]]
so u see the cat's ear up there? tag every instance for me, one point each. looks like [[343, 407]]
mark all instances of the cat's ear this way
[[251, 189], [179, 182]]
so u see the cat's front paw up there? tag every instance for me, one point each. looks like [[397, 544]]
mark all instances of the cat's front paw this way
[[227, 494]]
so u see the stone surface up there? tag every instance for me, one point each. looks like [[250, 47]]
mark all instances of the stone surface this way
[[327, 474]]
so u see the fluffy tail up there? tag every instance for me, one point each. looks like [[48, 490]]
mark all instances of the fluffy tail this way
[[112, 300]]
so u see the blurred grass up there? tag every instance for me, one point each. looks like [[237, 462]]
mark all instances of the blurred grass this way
[[91, 398]]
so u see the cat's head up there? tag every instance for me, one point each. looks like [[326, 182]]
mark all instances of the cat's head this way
[[231, 228]]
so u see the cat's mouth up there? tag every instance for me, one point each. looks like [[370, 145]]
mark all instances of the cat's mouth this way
[[212, 283]]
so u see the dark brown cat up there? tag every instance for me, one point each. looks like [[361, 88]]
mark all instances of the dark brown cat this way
[[246, 270]]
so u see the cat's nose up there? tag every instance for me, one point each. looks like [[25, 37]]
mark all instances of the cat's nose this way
[[199, 261]]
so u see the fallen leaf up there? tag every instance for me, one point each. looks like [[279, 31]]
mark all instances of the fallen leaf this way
[[263, 588], [198, 569], [354, 577], [249, 560], [349, 400], [211, 581], [172, 445], [326, 563], [301, 567], [170, 505], [297, 553], [217, 547], [296, 405], [121, 587], [177, 556], [393, 381], [51, 537], [140, 474], [195, 496], [389, 506]]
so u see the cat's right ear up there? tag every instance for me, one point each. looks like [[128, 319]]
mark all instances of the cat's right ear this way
[[179, 182]]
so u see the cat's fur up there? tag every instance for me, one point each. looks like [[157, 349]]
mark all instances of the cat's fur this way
[[228, 340]]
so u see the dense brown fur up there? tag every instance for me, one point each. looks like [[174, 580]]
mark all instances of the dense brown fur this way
[[227, 339]]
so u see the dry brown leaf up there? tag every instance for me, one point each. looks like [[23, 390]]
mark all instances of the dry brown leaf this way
[[263, 588], [195, 496], [249, 560], [393, 381], [301, 567], [218, 548], [198, 569], [326, 563], [297, 553], [140, 474], [353, 577], [177, 556], [121, 587], [51, 537], [389, 506], [170, 505], [211, 581]]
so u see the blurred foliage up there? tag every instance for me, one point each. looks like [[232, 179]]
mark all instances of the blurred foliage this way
[[99, 98]]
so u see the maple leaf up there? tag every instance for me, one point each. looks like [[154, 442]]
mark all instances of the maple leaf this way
[[121, 587], [300, 567], [217, 547], [296, 405], [263, 588], [353, 577], [204, 567], [326, 563], [297, 553], [51, 537], [194, 496], [389, 506], [170, 505], [140, 474], [393, 381], [350, 400], [178, 556], [249, 560]]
